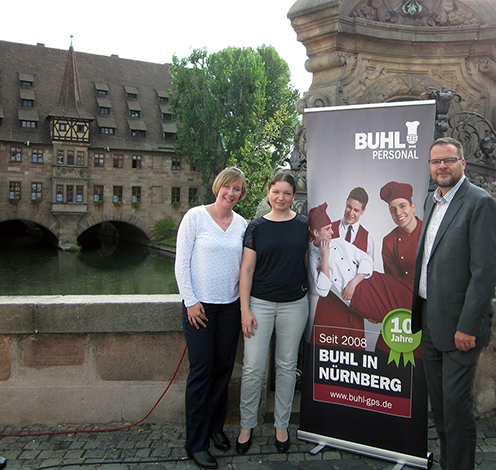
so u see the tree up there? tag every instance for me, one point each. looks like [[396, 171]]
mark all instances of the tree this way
[[255, 160], [222, 103], [280, 94]]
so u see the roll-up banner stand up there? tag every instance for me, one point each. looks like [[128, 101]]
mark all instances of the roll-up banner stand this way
[[363, 386]]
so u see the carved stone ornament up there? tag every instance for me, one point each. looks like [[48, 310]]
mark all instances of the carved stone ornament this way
[[434, 13]]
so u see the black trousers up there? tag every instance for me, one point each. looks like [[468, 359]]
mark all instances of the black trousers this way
[[450, 378], [211, 354]]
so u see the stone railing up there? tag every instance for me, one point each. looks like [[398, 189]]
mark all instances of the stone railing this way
[[108, 359], [90, 359]]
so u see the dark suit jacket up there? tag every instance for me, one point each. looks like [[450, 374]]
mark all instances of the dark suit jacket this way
[[461, 273]]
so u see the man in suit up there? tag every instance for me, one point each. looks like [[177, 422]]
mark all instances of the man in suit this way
[[454, 286]]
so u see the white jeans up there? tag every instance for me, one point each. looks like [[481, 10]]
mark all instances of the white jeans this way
[[289, 320]]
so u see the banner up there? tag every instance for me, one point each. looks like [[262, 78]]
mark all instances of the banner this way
[[363, 386]]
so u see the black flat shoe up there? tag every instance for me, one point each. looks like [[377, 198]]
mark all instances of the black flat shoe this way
[[245, 446], [221, 441], [282, 446], [203, 459]]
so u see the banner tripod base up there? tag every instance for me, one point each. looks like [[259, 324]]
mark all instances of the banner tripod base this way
[[398, 466], [317, 449], [400, 459]]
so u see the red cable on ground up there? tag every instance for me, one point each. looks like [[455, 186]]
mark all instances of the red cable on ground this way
[[107, 430]]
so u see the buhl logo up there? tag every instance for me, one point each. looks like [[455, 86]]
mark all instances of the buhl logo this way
[[388, 145]]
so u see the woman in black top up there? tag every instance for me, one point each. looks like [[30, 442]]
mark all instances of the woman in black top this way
[[273, 293]]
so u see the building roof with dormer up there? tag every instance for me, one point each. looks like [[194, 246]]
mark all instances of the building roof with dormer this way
[[128, 96]]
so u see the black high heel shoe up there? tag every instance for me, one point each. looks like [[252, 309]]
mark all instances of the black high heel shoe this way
[[282, 446], [243, 448]]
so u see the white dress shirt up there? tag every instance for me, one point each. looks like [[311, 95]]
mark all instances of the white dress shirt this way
[[343, 230], [438, 213]]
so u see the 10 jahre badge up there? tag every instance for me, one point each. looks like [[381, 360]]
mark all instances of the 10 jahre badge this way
[[397, 334]]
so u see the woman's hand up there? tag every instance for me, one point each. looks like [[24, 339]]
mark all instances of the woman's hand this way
[[196, 315], [324, 249], [248, 323]]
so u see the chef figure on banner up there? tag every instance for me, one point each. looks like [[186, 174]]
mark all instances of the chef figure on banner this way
[[349, 226], [399, 247], [350, 229], [340, 269]]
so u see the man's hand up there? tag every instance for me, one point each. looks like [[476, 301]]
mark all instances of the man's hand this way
[[464, 342], [349, 289]]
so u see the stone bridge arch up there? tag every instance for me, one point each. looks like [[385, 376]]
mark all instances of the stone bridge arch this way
[[54, 229], [48, 226], [137, 230]]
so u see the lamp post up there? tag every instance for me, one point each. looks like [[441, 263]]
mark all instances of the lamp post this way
[[443, 99]]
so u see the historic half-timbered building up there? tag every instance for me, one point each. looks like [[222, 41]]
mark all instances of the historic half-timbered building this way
[[87, 139]]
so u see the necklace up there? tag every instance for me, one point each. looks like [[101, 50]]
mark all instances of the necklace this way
[[217, 214]]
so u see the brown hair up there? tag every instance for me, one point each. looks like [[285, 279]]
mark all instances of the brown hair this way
[[449, 141], [285, 177], [360, 195]]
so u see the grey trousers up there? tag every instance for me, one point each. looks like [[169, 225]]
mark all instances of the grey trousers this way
[[289, 320], [450, 378]]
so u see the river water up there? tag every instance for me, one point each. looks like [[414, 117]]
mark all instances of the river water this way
[[31, 267]]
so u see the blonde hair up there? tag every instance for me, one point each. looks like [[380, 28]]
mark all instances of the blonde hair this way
[[227, 176]]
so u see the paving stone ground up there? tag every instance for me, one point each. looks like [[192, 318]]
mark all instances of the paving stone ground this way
[[161, 447]]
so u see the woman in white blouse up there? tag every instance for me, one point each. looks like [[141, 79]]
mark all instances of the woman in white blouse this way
[[208, 260]]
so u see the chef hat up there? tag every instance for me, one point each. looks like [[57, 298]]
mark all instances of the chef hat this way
[[318, 218], [394, 190]]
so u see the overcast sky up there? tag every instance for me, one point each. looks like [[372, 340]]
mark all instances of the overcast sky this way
[[153, 31]]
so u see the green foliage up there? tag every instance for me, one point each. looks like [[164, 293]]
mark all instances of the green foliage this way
[[223, 102], [279, 94], [164, 227], [255, 159]]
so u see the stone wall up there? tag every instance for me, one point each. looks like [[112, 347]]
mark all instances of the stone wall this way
[[485, 381], [108, 359], [93, 360]]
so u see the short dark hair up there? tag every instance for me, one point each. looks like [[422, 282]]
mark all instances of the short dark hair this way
[[449, 141], [360, 195], [283, 176]]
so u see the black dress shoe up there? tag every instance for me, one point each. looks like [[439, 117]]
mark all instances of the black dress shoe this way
[[203, 459], [243, 448], [282, 446], [221, 441]]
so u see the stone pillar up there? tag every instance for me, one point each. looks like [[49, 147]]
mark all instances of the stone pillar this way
[[68, 224], [374, 51]]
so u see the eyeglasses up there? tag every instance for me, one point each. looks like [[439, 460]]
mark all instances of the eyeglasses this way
[[448, 161]]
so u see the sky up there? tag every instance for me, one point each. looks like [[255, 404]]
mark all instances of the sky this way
[[154, 31]]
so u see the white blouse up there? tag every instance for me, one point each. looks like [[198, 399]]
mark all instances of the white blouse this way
[[208, 259]]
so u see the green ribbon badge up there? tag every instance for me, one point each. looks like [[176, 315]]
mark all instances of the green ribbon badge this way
[[397, 333]]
